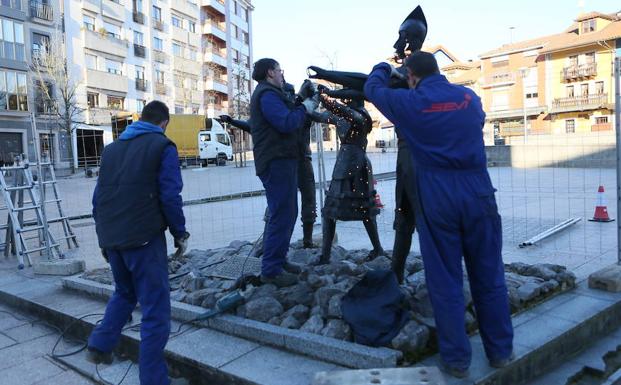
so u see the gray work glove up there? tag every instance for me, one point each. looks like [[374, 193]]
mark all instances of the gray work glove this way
[[181, 244], [394, 73], [310, 104], [225, 119], [104, 255]]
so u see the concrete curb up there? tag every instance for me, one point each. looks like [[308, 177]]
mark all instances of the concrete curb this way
[[324, 348]]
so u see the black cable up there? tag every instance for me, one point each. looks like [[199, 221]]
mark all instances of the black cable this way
[[110, 383], [62, 335]]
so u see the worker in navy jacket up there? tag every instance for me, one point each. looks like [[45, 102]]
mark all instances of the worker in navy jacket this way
[[275, 122], [457, 213], [137, 197]]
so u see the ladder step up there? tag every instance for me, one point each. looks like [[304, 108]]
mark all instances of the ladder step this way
[[28, 251], [29, 229], [27, 208], [49, 182], [54, 200], [18, 188]]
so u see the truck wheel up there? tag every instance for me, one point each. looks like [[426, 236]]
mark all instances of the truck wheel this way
[[221, 160], [205, 162]]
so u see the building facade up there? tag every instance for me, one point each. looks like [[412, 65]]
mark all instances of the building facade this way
[[125, 54], [25, 27]]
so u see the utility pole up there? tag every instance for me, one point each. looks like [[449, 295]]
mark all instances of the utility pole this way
[[618, 140], [524, 74]]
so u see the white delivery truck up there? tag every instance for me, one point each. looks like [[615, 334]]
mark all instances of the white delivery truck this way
[[214, 144]]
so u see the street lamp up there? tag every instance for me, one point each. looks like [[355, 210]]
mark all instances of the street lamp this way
[[524, 73]]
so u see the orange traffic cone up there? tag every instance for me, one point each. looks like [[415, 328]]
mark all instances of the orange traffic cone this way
[[601, 211], [378, 200]]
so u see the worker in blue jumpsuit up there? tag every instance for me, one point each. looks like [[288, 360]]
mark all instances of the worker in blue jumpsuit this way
[[457, 213], [275, 121], [138, 196]]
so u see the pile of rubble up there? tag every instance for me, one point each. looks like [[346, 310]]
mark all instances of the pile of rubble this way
[[314, 304]]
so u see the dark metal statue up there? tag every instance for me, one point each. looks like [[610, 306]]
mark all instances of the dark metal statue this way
[[351, 196]]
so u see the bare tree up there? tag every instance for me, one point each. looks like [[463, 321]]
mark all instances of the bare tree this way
[[55, 88], [239, 108]]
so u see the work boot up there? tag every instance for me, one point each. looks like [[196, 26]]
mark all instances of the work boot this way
[[307, 240], [292, 268], [97, 357], [455, 372], [283, 279], [498, 364], [375, 253]]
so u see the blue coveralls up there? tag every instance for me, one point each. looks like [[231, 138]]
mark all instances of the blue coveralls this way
[[442, 124], [280, 183], [141, 275]]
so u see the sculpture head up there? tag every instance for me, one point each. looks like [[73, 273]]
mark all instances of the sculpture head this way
[[412, 33]]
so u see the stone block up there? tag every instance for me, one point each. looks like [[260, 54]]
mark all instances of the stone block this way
[[60, 267], [396, 376], [608, 279]]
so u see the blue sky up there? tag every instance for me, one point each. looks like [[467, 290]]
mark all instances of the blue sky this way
[[356, 34]]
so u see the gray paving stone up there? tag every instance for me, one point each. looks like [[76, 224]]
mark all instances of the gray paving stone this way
[[6, 341], [17, 354], [8, 321], [579, 308], [66, 378], [25, 373], [29, 332], [541, 330], [268, 366], [125, 371], [11, 278], [559, 375], [209, 347], [608, 278], [62, 267], [69, 302]]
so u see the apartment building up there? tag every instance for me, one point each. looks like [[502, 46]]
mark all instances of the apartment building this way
[[561, 83], [25, 28], [125, 53]]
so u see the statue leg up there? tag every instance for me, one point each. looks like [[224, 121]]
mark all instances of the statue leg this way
[[371, 226], [329, 227], [401, 249]]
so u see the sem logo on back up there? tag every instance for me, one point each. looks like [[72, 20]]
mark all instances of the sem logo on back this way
[[450, 106]]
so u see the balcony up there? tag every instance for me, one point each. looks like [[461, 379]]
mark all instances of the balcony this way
[[186, 7], [106, 81], [216, 5], [179, 34], [91, 5], [579, 103], [160, 88], [159, 56], [158, 24], [102, 43], [578, 72], [601, 127], [188, 95], [215, 55], [113, 9], [511, 129], [499, 80], [216, 84], [140, 50], [185, 65], [41, 11], [508, 113], [141, 85], [215, 28], [101, 116], [138, 17]]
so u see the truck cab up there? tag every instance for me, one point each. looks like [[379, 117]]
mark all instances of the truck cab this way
[[214, 145]]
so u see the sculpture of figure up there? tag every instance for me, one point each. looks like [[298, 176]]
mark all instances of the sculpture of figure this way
[[351, 196]]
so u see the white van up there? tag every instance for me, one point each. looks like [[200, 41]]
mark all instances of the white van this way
[[214, 145]]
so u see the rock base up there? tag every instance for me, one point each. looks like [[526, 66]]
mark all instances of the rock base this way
[[60, 267], [608, 279]]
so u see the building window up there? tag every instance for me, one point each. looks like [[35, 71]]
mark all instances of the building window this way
[[91, 61], [178, 80], [44, 94], [179, 109], [113, 30], [137, 5], [89, 22], [159, 76], [193, 84], [114, 67], [15, 4], [177, 50], [195, 108], [573, 60], [115, 102], [92, 99], [40, 45], [589, 58], [569, 91], [138, 38], [140, 103], [601, 119], [157, 13], [140, 72], [244, 13], [13, 91], [12, 36], [235, 7], [191, 26], [584, 89], [570, 126], [599, 88], [246, 37], [532, 95], [158, 44], [177, 22], [193, 54], [235, 32], [235, 55], [588, 26]]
